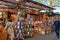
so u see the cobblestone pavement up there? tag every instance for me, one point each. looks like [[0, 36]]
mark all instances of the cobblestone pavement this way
[[50, 36]]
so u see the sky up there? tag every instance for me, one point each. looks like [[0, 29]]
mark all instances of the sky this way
[[56, 3]]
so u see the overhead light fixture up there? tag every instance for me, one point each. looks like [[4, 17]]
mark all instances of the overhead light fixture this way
[[17, 0], [43, 11]]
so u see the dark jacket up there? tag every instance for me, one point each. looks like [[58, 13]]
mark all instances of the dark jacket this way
[[57, 24]]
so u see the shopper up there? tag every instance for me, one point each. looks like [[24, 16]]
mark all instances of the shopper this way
[[9, 30], [2, 34], [57, 26], [1, 27], [3, 23]]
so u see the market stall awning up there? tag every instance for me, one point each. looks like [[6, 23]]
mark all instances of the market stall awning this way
[[37, 5], [6, 4], [31, 4]]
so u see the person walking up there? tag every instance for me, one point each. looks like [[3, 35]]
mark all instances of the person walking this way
[[9, 29], [57, 26]]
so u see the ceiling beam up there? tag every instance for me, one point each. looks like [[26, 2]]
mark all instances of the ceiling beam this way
[[8, 2]]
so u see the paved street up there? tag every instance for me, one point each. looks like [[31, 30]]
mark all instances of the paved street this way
[[50, 36]]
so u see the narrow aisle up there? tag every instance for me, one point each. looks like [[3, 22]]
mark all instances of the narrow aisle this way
[[51, 36]]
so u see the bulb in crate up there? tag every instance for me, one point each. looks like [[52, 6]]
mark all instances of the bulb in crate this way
[[22, 23], [18, 27], [18, 23], [20, 31], [29, 22], [43, 32], [28, 26], [39, 29], [17, 31], [15, 26], [21, 26]]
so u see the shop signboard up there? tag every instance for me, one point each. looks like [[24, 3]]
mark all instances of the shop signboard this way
[[28, 15]]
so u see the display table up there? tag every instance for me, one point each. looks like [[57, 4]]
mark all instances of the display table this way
[[42, 29]]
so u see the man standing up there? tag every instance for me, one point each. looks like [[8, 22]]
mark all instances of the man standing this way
[[57, 26]]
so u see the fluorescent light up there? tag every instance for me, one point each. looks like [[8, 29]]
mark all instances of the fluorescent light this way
[[58, 10], [43, 11], [17, 0]]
